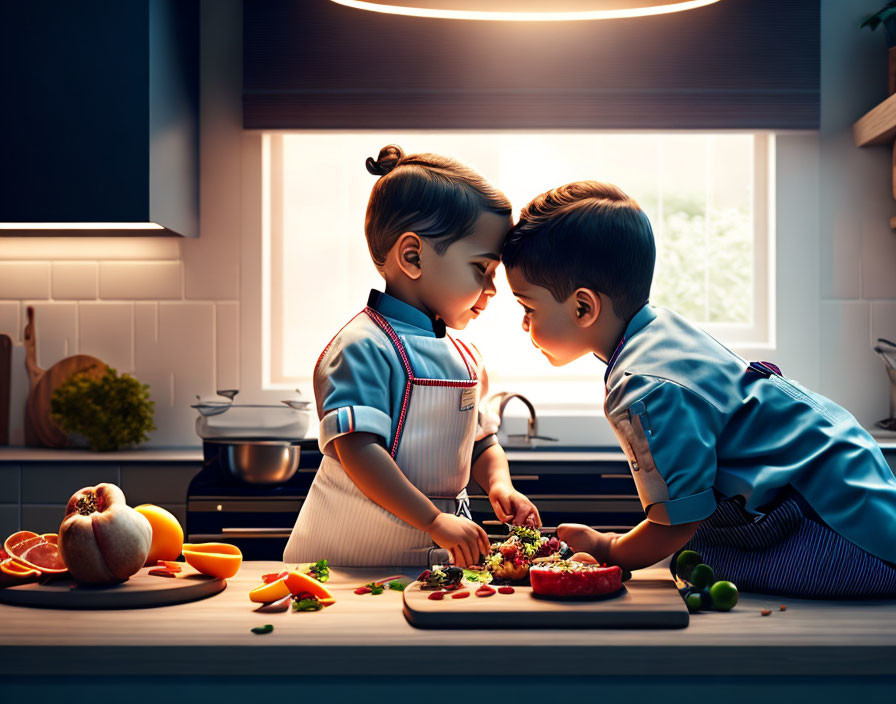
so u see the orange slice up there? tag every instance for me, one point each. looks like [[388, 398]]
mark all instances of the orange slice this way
[[292, 584], [214, 559], [273, 591], [297, 583], [16, 568]]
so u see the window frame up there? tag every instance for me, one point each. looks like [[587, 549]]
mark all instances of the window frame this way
[[754, 340]]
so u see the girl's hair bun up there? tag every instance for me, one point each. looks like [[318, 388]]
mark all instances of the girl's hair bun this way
[[387, 160]]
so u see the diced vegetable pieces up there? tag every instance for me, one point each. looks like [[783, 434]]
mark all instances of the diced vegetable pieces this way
[[162, 573], [261, 630], [170, 565], [273, 577], [462, 594]]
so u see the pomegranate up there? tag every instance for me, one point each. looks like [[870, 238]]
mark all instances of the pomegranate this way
[[102, 539]]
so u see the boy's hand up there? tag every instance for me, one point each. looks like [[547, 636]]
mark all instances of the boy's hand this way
[[511, 506], [466, 540]]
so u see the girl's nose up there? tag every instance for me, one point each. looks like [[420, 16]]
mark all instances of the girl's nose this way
[[490, 289]]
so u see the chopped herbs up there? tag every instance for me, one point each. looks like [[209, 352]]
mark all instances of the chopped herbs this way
[[320, 570], [261, 630], [397, 586], [307, 605]]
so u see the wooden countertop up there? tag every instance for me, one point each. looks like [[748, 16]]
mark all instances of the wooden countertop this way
[[369, 636]]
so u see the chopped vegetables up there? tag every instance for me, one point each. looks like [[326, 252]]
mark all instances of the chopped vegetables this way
[[397, 586], [310, 604], [261, 630]]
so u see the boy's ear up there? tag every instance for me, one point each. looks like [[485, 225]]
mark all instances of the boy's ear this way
[[407, 250], [587, 307]]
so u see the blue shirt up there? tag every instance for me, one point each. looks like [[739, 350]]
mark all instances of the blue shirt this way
[[696, 422], [361, 373]]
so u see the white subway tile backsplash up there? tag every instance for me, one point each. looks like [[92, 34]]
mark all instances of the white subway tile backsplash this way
[[74, 280], [883, 320], [850, 371], [175, 355], [106, 330], [141, 280], [24, 279], [878, 261], [56, 330], [9, 320], [227, 345]]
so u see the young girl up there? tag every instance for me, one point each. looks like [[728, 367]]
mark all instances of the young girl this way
[[398, 398]]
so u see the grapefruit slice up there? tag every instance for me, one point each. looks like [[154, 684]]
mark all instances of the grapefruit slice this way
[[40, 552], [14, 568]]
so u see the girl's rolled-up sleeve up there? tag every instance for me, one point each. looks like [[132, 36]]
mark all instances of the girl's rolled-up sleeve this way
[[668, 434], [352, 387]]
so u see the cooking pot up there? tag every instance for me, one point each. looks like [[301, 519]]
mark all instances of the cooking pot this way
[[226, 420], [258, 461]]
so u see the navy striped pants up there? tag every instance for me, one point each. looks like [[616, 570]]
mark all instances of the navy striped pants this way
[[790, 551]]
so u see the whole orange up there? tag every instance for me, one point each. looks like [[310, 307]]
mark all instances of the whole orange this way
[[167, 535]]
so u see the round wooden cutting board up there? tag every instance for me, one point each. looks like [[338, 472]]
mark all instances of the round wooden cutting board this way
[[142, 590]]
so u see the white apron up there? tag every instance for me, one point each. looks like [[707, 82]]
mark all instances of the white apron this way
[[433, 445]]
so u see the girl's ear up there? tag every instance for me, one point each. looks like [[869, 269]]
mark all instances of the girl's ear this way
[[587, 306], [407, 249]]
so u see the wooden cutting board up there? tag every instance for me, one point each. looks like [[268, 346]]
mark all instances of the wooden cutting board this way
[[142, 590], [38, 409], [645, 602]]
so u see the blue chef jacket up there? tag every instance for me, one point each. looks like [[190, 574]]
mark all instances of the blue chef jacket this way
[[697, 422]]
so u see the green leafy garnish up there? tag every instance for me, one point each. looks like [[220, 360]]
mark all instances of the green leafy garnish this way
[[307, 605], [397, 586], [320, 570], [261, 630], [375, 588], [483, 576]]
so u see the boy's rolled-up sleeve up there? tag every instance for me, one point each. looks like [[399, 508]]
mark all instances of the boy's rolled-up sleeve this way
[[352, 389], [668, 434]]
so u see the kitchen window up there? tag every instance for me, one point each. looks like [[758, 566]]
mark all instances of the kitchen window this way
[[708, 196]]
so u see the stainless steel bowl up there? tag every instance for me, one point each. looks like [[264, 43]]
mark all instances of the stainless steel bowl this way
[[260, 461]]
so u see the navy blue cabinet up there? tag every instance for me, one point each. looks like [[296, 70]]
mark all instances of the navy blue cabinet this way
[[100, 114]]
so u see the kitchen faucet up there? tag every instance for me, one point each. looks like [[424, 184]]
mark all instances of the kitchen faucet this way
[[502, 399]]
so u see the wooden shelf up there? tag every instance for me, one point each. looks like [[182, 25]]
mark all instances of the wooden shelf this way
[[878, 125]]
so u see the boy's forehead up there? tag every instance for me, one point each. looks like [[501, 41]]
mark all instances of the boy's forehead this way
[[519, 285]]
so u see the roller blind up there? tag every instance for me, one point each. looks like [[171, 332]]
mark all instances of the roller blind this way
[[736, 64]]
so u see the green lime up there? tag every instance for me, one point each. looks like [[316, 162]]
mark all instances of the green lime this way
[[694, 602], [702, 576], [723, 595], [686, 562]]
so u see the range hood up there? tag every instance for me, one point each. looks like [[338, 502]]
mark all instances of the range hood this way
[[99, 129]]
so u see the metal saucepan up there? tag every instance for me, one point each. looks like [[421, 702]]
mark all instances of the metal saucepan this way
[[259, 462]]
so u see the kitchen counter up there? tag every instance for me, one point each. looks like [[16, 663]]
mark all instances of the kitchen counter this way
[[366, 636]]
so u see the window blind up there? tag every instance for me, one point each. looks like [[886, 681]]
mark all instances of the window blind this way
[[736, 64]]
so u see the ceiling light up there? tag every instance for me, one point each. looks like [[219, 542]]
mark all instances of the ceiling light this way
[[526, 10]]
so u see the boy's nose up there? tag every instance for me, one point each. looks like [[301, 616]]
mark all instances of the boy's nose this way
[[525, 324]]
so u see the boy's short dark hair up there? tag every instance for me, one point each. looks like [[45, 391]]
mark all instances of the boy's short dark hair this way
[[585, 235]]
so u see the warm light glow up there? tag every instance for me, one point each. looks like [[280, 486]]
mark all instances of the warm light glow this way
[[80, 226], [446, 9]]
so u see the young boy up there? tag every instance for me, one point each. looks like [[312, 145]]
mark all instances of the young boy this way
[[778, 488]]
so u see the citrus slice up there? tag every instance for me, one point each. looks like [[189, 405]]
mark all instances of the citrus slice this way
[[215, 559], [13, 567], [40, 552], [273, 591], [297, 583]]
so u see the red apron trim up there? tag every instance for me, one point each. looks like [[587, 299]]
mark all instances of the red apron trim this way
[[471, 370], [406, 363]]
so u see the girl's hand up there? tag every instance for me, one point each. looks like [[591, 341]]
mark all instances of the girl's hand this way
[[511, 506], [466, 540]]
